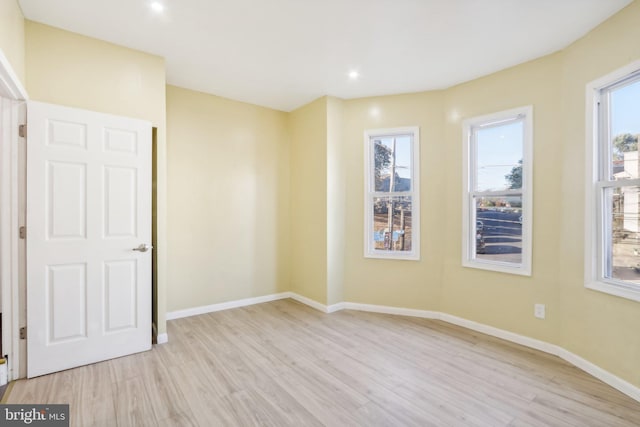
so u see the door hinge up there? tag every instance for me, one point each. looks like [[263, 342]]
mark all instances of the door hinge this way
[[23, 232], [22, 131], [23, 333]]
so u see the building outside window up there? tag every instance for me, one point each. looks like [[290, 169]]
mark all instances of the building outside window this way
[[392, 203], [613, 171]]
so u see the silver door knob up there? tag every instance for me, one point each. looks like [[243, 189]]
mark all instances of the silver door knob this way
[[143, 247]]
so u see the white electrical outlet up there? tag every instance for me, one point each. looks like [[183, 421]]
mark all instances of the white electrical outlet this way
[[539, 310]]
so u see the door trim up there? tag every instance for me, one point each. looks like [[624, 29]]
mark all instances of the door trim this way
[[10, 85], [14, 95]]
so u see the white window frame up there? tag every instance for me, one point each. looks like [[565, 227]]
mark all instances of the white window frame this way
[[370, 194], [468, 208], [597, 157]]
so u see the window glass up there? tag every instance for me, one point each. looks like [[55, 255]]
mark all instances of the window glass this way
[[499, 157], [499, 229], [624, 129], [392, 154], [392, 194], [623, 244], [392, 220], [498, 191], [621, 219]]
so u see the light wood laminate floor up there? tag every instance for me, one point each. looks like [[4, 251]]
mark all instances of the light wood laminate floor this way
[[285, 364]]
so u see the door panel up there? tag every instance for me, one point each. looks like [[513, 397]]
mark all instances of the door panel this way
[[66, 301], [120, 202], [88, 207], [121, 287], [66, 200]]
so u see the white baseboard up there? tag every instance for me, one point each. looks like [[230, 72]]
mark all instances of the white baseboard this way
[[592, 369], [178, 314], [308, 301], [605, 376], [336, 307], [162, 338], [500, 333], [398, 311]]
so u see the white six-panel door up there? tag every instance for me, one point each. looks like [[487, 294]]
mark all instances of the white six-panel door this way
[[88, 221]]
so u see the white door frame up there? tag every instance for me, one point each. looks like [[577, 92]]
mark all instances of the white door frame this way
[[11, 217]]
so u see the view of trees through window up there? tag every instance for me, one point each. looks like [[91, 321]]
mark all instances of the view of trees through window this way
[[392, 204], [622, 242]]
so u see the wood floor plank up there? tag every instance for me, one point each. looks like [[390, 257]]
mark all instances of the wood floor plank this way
[[285, 364], [132, 404], [375, 414], [252, 407], [207, 405], [178, 420], [96, 406], [293, 412]]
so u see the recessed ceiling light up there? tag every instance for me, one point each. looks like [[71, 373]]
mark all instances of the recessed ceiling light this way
[[158, 7], [353, 75]]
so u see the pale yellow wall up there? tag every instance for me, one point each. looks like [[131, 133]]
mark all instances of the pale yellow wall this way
[[336, 201], [308, 201], [77, 71], [411, 284], [228, 198], [601, 328], [69, 69], [12, 36], [598, 327], [505, 300]]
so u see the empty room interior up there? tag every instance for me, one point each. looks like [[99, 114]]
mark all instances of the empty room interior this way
[[321, 212]]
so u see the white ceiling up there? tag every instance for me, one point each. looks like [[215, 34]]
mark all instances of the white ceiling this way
[[285, 53]]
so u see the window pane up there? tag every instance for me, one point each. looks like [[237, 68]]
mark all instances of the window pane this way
[[392, 223], [623, 239], [498, 229], [392, 156], [625, 127], [499, 156]]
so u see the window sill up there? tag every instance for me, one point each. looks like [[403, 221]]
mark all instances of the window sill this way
[[621, 291], [498, 267], [394, 256]]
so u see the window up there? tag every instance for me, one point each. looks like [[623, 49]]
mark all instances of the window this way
[[392, 203], [497, 192], [613, 218]]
